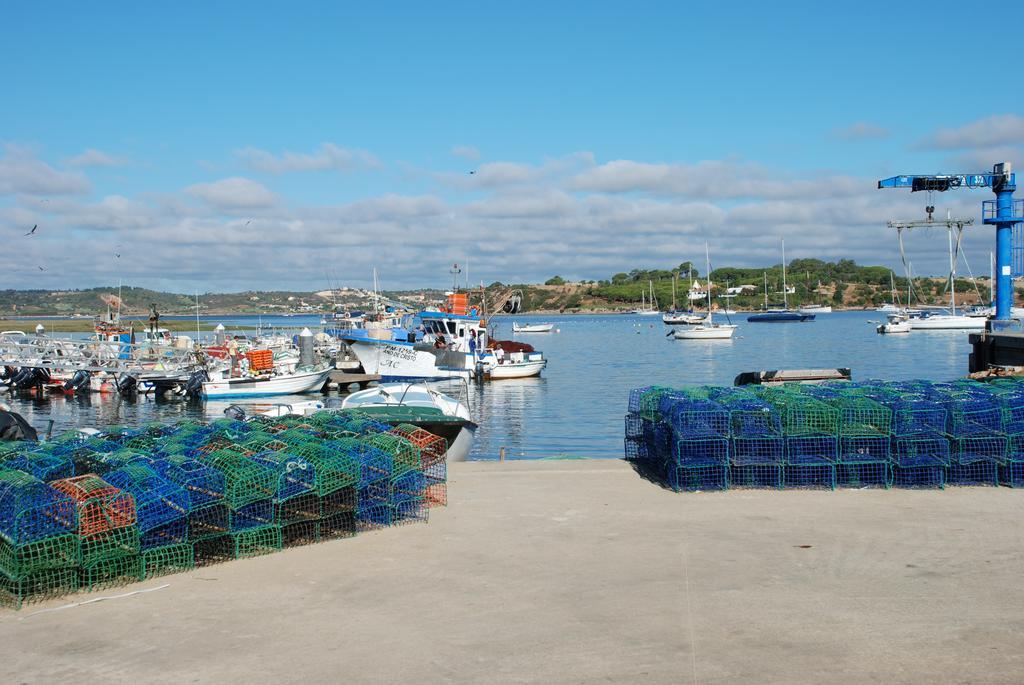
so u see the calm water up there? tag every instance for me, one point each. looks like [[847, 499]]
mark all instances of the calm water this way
[[576, 408]]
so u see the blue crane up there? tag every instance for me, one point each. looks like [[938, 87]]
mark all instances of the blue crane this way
[[1004, 213]]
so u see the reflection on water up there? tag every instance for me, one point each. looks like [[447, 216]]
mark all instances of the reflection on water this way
[[576, 408]]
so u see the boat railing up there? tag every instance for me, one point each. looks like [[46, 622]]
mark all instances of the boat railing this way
[[95, 355]]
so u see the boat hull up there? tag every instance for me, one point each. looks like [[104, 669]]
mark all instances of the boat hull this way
[[526, 369], [533, 328], [948, 323], [706, 333], [780, 317], [296, 384], [396, 361]]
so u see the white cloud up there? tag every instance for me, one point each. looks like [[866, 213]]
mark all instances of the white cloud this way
[[466, 152], [506, 174], [233, 193], [22, 172], [982, 159], [861, 130], [329, 157], [709, 179], [525, 222], [992, 131], [92, 157]]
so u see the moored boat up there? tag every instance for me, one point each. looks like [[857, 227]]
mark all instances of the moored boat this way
[[267, 385], [532, 327]]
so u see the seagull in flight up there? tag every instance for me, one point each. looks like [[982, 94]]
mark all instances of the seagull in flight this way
[[118, 255], [42, 269], [33, 230], [472, 172], [248, 222]]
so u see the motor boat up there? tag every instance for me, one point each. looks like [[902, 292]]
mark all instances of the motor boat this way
[[297, 382], [417, 404], [815, 309], [532, 327], [506, 359], [895, 324]]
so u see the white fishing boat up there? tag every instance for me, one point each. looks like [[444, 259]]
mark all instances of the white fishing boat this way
[[454, 344], [294, 383], [403, 403], [517, 365], [708, 329], [532, 327]]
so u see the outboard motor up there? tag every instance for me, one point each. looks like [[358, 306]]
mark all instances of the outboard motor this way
[[127, 385], [194, 385], [14, 427], [20, 376], [77, 382], [235, 412]]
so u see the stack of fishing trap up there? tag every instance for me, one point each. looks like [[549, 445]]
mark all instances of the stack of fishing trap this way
[[88, 512], [907, 434]]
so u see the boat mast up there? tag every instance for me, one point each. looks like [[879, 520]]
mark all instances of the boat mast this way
[[675, 277], [952, 272], [707, 277], [765, 291], [785, 302]]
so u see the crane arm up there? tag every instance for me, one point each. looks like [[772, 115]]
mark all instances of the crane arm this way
[[943, 182]]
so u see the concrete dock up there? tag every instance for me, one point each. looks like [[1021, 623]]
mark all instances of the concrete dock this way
[[580, 572]]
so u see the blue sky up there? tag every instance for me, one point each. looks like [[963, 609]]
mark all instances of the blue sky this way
[[245, 145]]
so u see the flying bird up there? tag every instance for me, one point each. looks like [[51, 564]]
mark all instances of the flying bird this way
[[118, 255], [33, 230], [42, 269], [471, 173], [248, 222]]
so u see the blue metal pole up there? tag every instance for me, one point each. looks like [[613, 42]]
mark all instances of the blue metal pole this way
[[1004, 234]]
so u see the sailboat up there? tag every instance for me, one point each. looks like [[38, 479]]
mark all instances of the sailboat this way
[[675, 317], [779, 315], [708, 330], [646, 310], [815, 308], [927, 321]]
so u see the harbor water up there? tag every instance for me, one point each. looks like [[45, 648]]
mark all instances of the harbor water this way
[[575, 409]]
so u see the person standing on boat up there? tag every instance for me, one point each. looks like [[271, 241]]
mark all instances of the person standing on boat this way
[[233, 355], [472, 343], [499, 354]]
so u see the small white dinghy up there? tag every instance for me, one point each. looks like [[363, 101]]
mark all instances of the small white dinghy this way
[[532, 327]]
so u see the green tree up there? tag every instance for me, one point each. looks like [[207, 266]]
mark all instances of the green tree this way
[[555, 280], [837, 296]]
